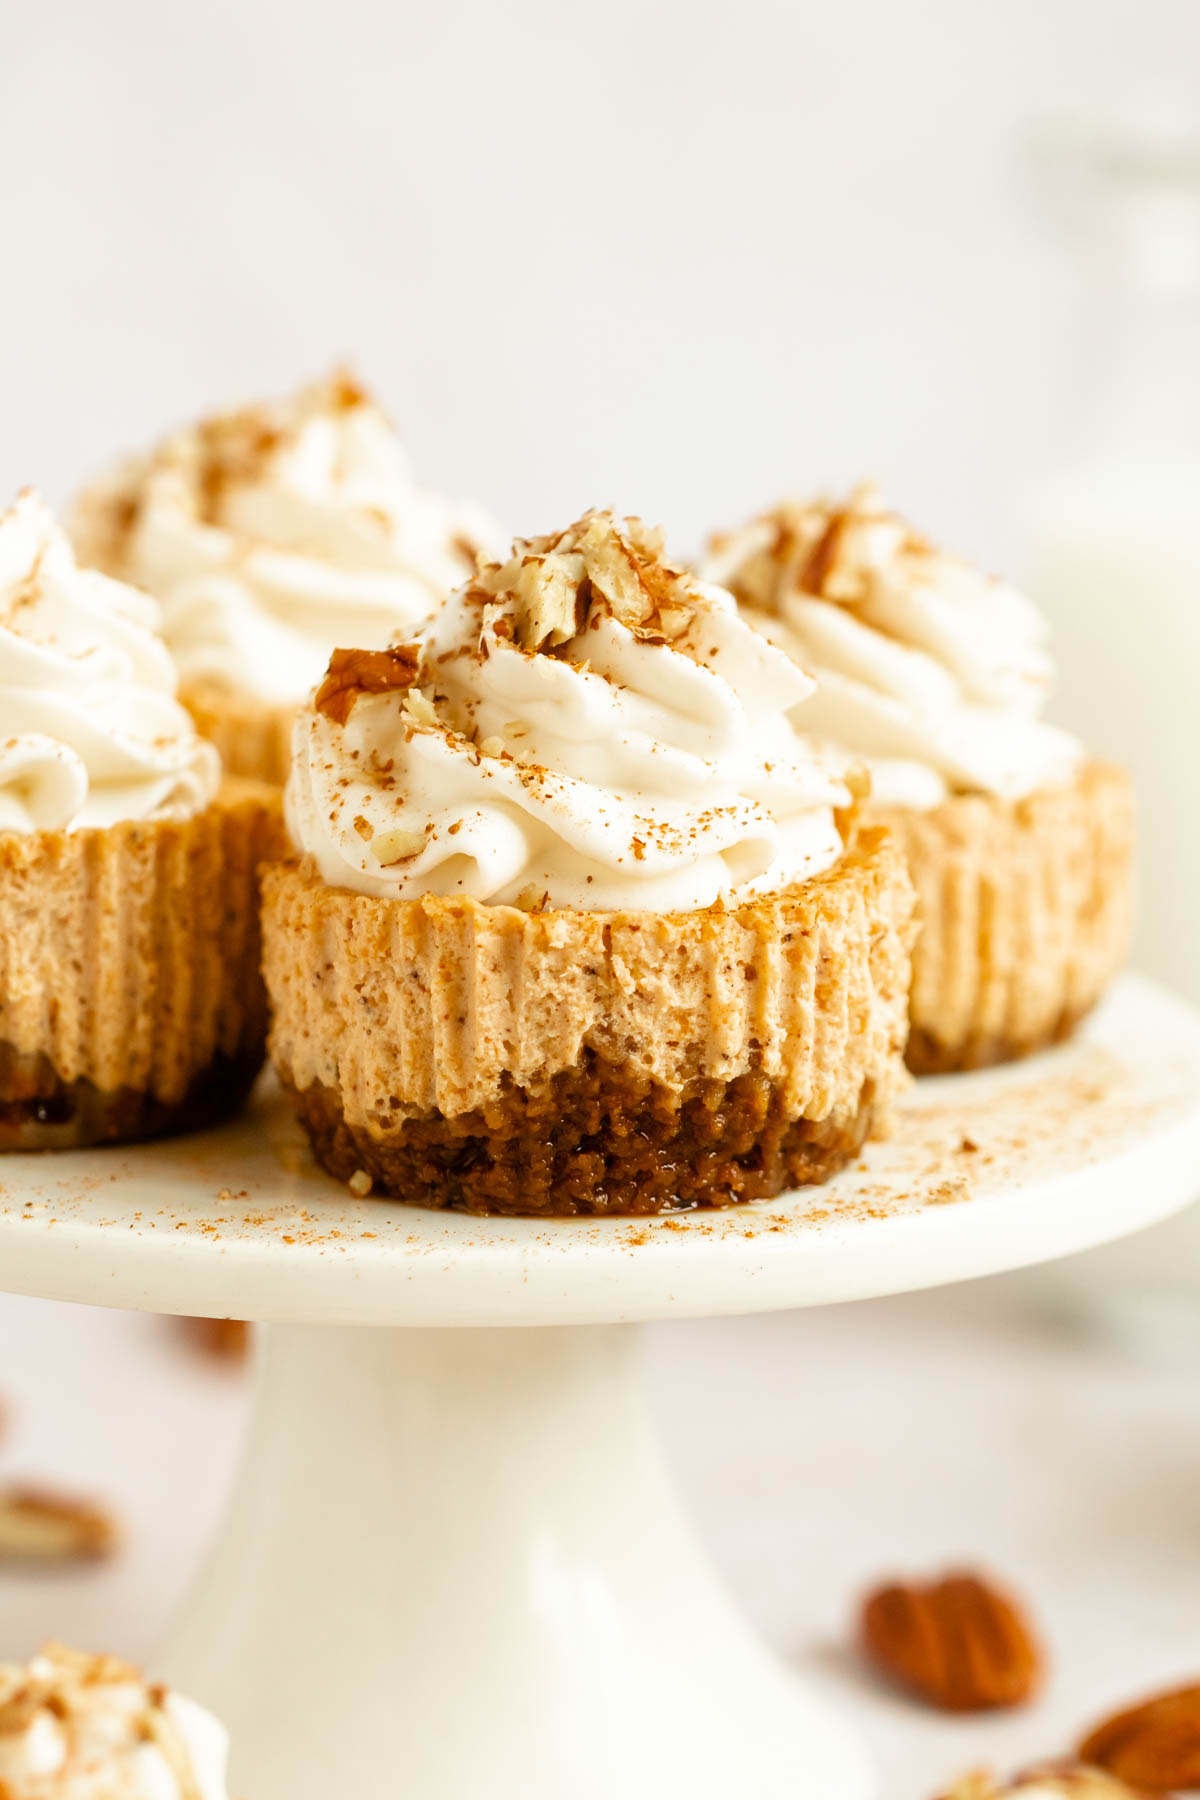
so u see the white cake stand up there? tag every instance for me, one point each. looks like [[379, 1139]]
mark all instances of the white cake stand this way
[[453, 1569]]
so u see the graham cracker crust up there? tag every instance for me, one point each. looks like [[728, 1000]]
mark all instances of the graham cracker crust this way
[[39, 1110], [594, 1139], [927, 1054]]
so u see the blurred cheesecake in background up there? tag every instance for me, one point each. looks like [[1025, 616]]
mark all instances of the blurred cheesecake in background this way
[[269, 535], [934, 676], [131, 1000], [79, 1727]]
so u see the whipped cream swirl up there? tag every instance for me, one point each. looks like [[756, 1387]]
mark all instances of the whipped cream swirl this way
[[583, 726], [271, 534], [930, 672], [75, 1727], [92, 732]]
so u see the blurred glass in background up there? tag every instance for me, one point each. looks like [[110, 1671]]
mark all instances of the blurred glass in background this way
[[1114, 557]]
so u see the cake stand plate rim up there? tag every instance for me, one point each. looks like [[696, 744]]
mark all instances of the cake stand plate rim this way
[[997, 1169]]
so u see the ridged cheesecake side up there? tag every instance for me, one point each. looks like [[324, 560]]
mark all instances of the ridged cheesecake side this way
[[131, 997], [1025, 910], [253, 736]]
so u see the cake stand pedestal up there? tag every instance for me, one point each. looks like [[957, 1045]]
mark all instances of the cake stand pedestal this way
[[453, 1567]]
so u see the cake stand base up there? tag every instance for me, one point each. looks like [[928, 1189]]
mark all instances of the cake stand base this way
[[454, 1568]]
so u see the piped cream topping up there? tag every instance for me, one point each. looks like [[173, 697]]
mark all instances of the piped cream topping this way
[[77, 1727], [273, 533], [929, 671], [583, 726], [90, 730]]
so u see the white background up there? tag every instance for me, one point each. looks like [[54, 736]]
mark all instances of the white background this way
[[818, 1451], [677, 257]]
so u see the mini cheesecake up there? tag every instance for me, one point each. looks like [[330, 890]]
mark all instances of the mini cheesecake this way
[[570, 1062], [1019, 844], [452, 1017], [131, 997], [1026, 911]]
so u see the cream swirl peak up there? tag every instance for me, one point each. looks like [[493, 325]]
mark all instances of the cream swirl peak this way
[[76, 1727], [92, 732], [930, 671], [582, 726], [272, 533]]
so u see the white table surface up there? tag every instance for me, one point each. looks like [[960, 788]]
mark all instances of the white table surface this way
[[991, 1170], [819, 1451]]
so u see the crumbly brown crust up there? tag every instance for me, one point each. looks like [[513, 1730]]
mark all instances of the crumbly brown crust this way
[[41, 1111], [927, 1054], [131, 998], [254, 736], [559, 1058], [594, 1139], [1025, 910]]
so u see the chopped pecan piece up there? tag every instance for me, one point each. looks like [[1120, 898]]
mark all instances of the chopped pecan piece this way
[[552, 583], [550, 600], [396, 845]]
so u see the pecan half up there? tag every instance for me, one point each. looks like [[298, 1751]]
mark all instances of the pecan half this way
[[226, 1339], [1155, 1745], [40, 1527], [959, 1643], [1050, 1781], [355, 672]]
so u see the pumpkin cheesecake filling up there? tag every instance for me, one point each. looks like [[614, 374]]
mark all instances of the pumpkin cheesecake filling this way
[[451, 1016]]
